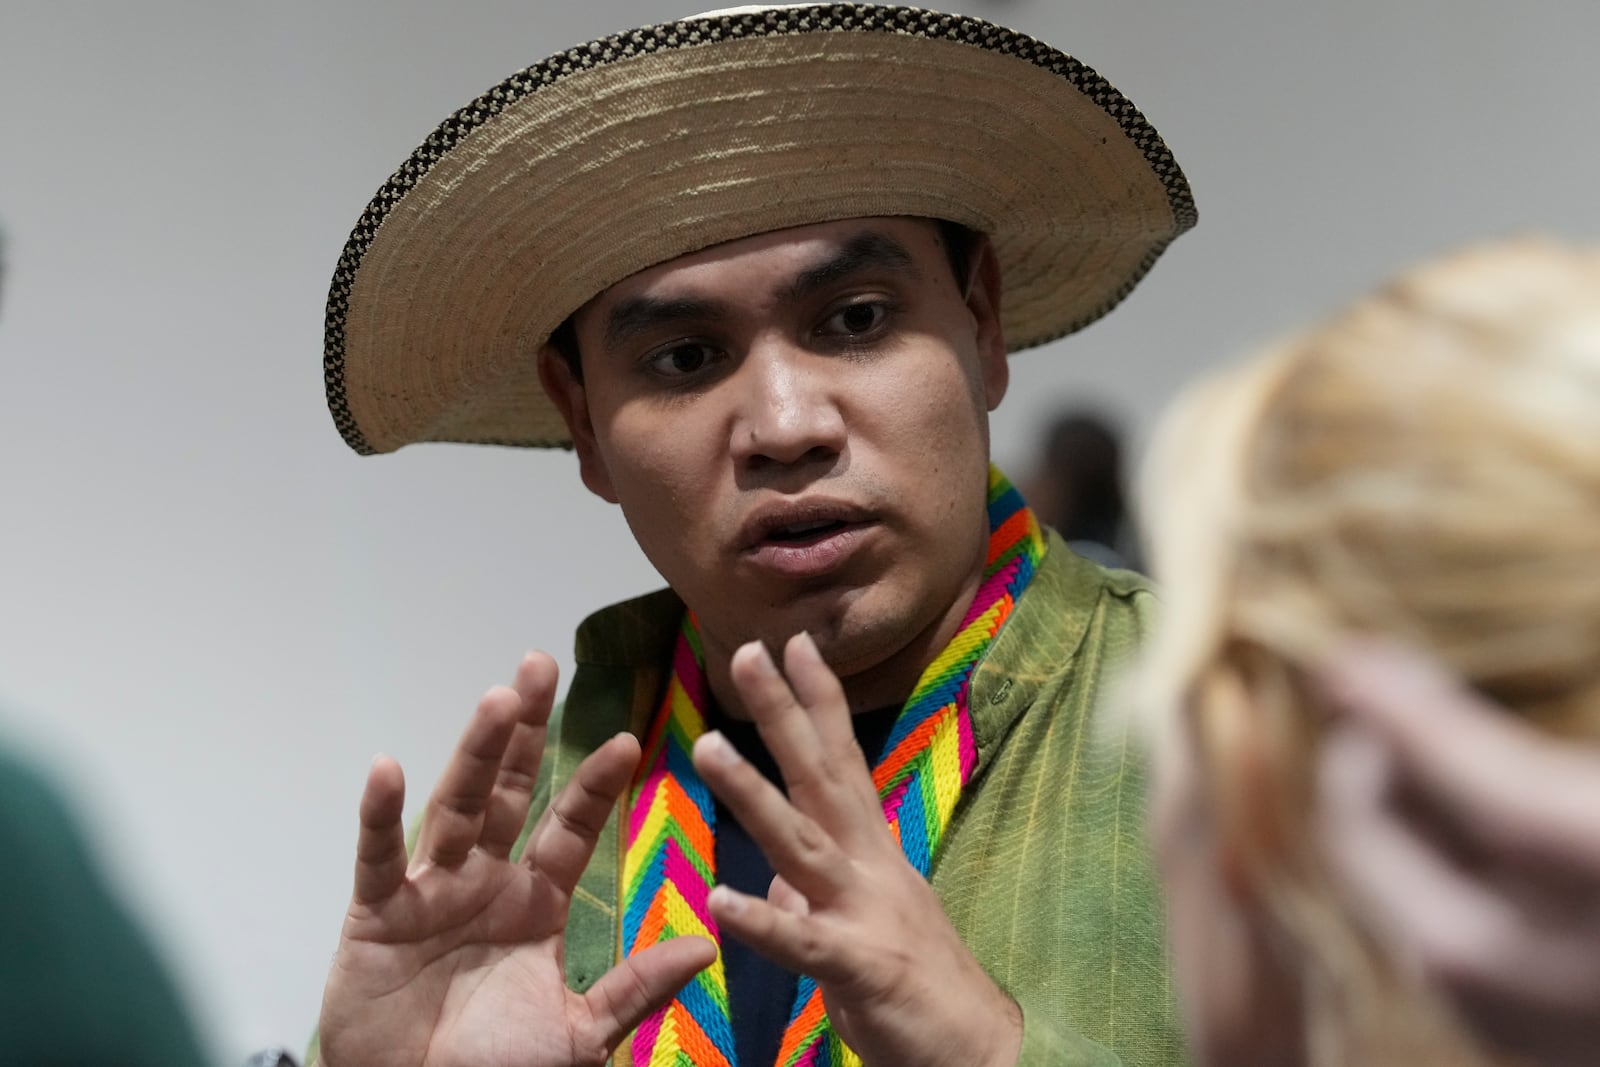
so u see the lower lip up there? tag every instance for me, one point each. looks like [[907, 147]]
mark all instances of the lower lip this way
[[813, 558]]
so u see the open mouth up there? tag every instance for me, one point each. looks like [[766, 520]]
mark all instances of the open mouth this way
[[806, 539], [802, 533]]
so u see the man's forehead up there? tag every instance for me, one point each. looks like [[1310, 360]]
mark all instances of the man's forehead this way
[[915, 237]]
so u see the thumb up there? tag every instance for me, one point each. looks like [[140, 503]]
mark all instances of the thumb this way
[[643, 982]]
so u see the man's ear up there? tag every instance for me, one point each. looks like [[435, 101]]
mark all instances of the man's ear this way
[[983, 301], [570, 398]]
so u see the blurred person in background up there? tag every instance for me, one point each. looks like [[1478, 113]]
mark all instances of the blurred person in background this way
[[1078, 490], [1387, 853], [80, 983]]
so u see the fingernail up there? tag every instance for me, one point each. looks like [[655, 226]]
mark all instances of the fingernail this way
[[717, 749], [762, 657], [726, 900]]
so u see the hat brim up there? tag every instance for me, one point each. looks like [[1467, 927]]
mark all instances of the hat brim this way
[[629, 151]]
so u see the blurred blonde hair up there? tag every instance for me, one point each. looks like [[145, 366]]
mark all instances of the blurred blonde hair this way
[[1425, 466]]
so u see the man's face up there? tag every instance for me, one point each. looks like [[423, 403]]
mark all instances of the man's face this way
[[796, 428]]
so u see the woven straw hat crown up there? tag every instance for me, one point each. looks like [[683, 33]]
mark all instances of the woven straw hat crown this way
[[634, 149]]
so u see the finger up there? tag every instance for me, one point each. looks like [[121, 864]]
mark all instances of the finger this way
[[1453, 926], [797, 942], [507, 811], [622, 997], [796, 746], [453, 819], [796, 845], [562, 842], [381, 843], [1502, 781], [817, 689]]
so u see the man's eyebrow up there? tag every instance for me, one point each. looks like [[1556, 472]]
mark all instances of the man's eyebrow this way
[[869, 250], [637, 314]]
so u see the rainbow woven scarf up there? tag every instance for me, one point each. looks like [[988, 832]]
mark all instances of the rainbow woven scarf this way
[[669, 867]]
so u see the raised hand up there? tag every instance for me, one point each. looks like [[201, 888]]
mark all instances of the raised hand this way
[[846, 907], [1475, 841], [453, 956]]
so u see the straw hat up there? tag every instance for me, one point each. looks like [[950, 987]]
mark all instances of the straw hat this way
[[634, 149]]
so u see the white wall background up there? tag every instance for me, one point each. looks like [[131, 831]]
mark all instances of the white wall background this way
[[212, 614]]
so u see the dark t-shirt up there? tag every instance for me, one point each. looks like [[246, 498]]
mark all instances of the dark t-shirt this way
[[761, 993]]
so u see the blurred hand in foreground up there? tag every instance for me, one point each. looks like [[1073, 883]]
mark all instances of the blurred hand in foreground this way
[[1473, 840]]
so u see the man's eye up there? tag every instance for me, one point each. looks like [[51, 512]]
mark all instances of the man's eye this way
[[856, 320], [682, 359]]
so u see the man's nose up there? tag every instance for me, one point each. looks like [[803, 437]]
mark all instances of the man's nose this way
[[788, 406]]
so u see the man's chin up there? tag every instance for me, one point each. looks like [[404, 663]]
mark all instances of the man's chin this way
[[877, 656]]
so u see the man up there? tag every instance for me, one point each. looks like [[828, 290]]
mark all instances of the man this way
[[766, 266]]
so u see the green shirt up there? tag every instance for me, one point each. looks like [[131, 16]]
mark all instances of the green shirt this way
[[1044, 870]]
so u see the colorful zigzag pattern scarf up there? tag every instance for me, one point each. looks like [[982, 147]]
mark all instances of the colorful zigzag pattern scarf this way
[[669, 867]]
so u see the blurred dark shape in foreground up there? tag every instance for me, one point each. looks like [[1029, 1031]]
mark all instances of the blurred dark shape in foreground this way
[[79, 981]]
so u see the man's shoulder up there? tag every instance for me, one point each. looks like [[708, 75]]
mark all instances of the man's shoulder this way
[[1072, 591], [1074, 628], [621, 651]]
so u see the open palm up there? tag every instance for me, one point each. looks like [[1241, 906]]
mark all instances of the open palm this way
[[453, 956]]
